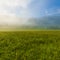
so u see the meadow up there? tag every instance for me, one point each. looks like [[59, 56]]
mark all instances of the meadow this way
[[30, 45]]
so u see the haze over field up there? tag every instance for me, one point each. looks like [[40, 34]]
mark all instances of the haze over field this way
[[30, 13]]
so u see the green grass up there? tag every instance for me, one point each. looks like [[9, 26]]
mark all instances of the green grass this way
[[30, 45]]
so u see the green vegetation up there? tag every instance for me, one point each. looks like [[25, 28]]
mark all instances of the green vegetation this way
[[30, 45]]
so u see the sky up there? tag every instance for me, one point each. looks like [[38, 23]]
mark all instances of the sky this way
[[12, 10]]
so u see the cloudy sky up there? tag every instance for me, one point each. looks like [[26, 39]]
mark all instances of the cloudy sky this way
[[11, 9]]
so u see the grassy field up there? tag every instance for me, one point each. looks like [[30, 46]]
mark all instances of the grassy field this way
[[30, 45]]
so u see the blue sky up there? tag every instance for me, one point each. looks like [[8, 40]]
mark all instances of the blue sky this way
[[12, 10], [41, 8], [29, 8]]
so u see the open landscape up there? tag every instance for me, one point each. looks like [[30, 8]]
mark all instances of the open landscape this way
[[29, 29], [30, 45]]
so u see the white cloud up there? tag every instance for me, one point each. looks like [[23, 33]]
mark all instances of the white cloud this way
[[8, 9], [6, 6], [14, 3], [11, 21]]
